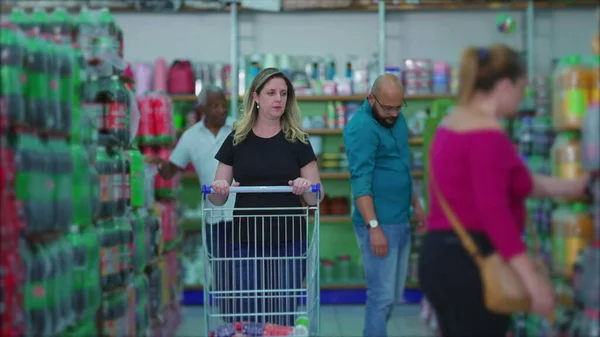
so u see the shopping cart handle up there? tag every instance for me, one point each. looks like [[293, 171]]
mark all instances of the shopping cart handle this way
[[207, 189]]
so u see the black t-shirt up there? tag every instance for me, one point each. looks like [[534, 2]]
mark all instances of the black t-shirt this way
[[266, 162]]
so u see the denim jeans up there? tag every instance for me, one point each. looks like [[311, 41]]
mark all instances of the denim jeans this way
[[386, 276]]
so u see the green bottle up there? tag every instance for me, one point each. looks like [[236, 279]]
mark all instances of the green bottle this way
[[86, 34], [80, 300], [54, 115], [40, 21], [82, 212], [12, 74], [21, 19], [136, 162], [66, 60], [92, 282], [36, 87], [61, 24]]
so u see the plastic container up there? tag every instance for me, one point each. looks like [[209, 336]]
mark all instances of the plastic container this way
[[12, 77], [595, 89], [590, 138], [572, 85], [327, 271], [566, 156], [344, 268], [572, 230], [591, 281]]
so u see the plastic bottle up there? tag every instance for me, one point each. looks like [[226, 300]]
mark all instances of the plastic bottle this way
[[126, 179], [86, 33], [572, 82], [94, 190], [590, 138], [565, 156], [79, 297], [163, 118], [591, 281], [61, 25], [118, 173], [37, 315], [40, 21], [63, 174], [78, 128], [54, 121], [36, 89], [64, 59], [92, 282], [115, 124], [20, 18], [136, 164], [572, 232], [146, 131], [105, 167], [12, 77]]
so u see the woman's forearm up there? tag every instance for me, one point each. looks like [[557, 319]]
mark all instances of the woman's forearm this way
[[217, 200], [311, 198], [549, 187]]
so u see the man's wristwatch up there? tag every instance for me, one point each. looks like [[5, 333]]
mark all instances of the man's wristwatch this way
[[373, 224]]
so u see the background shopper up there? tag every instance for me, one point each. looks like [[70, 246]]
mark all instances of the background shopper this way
[[267, 148], [376, 141], [479, 173]]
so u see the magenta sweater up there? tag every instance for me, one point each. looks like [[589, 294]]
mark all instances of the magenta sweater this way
[[485, 183]]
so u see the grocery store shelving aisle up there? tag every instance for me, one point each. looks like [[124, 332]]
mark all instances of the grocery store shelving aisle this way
[[336, 321]]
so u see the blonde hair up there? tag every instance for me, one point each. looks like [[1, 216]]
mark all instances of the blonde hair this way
[[290, 120], [482, 68]]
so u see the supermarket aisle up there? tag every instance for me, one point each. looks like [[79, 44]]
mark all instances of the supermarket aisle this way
[[336, 321]]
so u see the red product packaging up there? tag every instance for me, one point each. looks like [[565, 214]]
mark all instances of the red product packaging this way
[[164, 130], [146, 131]]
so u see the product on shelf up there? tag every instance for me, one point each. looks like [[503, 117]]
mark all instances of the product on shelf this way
[[12, 277], [418, 76], [12, 106], [572, 86], [590, 140], [566, 156], [156, 119], [572, 231], [115, 321]]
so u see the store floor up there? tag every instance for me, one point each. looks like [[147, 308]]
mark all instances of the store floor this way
[[336, 321]]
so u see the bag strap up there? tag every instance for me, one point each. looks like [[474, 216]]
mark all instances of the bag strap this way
[[464, 237]]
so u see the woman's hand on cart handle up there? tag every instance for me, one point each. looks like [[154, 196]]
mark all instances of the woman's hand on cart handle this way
[[299, 185], [221, 187]]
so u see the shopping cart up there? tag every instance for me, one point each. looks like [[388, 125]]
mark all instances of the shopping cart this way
[[261, 274]]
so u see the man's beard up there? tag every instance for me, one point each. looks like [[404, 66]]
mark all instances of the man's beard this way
[[387, 122]]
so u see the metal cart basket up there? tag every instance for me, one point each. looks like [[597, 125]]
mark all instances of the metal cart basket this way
[[261, 271]]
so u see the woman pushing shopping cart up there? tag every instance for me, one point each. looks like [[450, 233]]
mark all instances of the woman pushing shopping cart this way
[[265, 265]]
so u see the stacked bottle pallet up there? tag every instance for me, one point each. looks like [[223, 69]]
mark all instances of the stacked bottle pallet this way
[[50, 254], [79, 234]]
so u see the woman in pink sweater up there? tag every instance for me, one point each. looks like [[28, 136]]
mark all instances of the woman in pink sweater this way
[[479, 173]]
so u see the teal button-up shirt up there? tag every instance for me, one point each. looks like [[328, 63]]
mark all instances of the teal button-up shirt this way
[[379, 160]]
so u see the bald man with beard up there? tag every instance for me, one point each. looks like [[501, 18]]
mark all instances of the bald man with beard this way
[[376, 141]]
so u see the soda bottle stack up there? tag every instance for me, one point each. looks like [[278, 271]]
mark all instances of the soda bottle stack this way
[[47, 242], [122, 229]]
